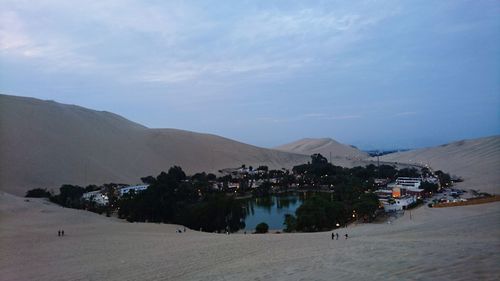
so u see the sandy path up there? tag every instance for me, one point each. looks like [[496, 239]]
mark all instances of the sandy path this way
[[459, 243]]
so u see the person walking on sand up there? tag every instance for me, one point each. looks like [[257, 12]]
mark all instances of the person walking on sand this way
[[337, 236], [62, 232], [333, 235], [58, 233], [346, 236]]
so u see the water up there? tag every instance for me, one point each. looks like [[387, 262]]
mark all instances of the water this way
[[271, 210]]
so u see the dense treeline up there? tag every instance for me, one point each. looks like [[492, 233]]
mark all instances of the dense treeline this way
[[171, 198], [38, 193], [320, 172], [352, 196]]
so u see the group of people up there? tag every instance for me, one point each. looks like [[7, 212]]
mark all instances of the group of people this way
[[60, 233], [335, 236]]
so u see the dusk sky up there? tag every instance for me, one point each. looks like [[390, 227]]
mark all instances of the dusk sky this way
[[375, 74]]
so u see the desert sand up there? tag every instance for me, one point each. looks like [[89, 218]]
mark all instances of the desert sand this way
[[325, 146], [46, 144], [477, 161], [459, 243]]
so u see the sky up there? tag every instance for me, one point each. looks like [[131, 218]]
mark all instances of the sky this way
[[375, 74]]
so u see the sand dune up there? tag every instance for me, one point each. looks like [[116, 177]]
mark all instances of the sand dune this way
[[435, 244], [46, 144], [341, 154], [477, 161]]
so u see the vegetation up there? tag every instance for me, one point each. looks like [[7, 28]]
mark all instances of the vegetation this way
[[69, 196], [170, 198], [262, 228], [444, 178], [366, 206], [317, 214], [290, 223], [409, 172], [38, 193], [429, 187]]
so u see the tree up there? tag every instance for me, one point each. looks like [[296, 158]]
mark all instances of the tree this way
[[262, 228], [444, 178], [148, 180], [91, 187], [387, 171], [366, 205], [172, 199], [263, 168], [429, 187], [317, 214], [263, 190], [69, 196], [211, 177], [317, 158], [290, 223], [38, 193], [409, 172], [177, 173]]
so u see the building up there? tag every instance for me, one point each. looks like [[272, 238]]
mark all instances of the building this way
[[406, 182], [381, 182], [136, 188], [383, 194], [406, 186], [96, 196], [399, 204], [233, 185], [400, 194]]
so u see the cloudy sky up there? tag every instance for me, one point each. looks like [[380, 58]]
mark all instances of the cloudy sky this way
[[376, 74]]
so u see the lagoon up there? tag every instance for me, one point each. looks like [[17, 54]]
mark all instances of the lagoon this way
[[271, 210]]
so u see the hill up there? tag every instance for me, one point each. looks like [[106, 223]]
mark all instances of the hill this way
[[341, 154], [477, 161], [46, 144]]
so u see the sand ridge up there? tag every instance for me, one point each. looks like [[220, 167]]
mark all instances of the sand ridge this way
[[46, 144], [477, 161], [326, 147]]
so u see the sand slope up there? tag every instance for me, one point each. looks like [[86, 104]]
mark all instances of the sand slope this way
[[477, 161], [341, 154], [460, 243], [46, 144]]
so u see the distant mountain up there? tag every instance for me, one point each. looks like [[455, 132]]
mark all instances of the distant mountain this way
[[477, 161], [383, 152], [325, 146], [46, 144]]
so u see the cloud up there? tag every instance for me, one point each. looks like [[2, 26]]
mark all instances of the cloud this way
[[405, 113], [190, 42], [177, 71], [306, 22], [342, 117], [12, 34]]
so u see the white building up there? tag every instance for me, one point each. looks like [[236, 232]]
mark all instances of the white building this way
[[96, 196], [135, 188], [409, 183], [398, 204], [406, 186]]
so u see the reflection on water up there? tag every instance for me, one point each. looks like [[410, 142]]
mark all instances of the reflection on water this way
[[271, 209]]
